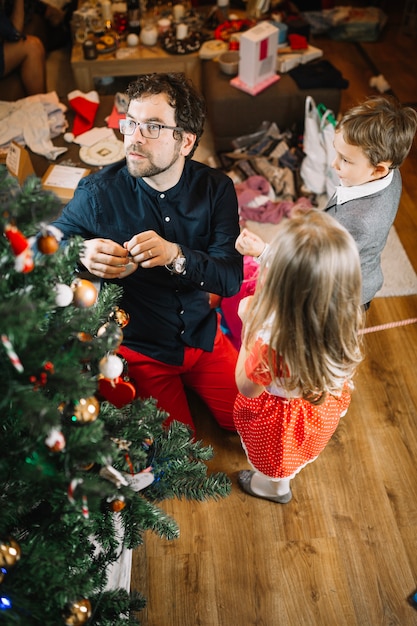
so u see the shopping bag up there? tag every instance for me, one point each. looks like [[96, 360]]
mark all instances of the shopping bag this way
[[316, 172]]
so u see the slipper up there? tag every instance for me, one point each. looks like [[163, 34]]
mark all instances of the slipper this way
[[244, 479]]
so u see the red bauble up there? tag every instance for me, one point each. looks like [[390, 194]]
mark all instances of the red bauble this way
[[118, 392]]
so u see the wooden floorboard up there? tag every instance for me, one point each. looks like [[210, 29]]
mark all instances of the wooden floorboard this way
[[343, 552]]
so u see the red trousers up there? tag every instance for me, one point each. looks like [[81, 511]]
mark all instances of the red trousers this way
[[210, 374]]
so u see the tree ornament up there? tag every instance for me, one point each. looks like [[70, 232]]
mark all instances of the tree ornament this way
[[5, 603], [11, 353], [117, 503], [55, 440], [119, 316], [86, 410], [118, 392], [64, 295], [112, 333], [111, 366], [21, 249], [78, 612], [42, 378], [85, 293], [84, 337], [113, 475], [47, 243], [9, 553]]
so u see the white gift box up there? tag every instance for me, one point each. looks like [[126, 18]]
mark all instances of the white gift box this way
[[258, 52]]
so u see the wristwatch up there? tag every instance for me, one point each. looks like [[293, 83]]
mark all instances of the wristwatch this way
[[177, 266]]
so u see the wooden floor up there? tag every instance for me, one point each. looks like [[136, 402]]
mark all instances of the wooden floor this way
[[343, 552]]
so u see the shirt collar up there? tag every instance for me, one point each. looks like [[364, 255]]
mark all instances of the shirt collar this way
[[344, 194]]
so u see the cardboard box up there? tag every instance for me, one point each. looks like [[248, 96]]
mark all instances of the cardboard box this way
[[62, 180], [286, 61], [258, 51]]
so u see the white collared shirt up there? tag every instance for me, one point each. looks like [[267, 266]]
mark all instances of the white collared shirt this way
[[344, 194]]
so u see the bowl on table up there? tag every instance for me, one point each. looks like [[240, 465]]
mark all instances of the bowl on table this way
[[229, 62]]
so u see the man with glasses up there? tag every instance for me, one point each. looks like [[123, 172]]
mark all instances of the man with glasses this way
[[163, 226]]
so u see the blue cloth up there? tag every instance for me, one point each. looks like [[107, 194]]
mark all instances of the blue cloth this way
[[167, 311]]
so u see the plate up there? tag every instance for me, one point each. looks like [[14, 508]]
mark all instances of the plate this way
[[106, 44], [103, 152]]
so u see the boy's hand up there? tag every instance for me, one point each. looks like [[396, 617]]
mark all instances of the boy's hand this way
[[249, 244]]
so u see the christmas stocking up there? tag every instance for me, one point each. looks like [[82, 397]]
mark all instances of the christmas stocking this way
[[85, 106]]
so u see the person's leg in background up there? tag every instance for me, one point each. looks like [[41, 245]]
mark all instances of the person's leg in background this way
[[28, 56]]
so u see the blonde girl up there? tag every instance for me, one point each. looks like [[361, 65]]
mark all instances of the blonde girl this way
[[300, 348]]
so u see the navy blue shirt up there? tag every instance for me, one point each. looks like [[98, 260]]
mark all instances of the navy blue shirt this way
[[200, 213]]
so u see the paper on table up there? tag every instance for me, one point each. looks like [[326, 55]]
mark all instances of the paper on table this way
[[64, 176]]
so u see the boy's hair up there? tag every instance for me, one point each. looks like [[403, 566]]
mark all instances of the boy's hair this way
[[309, 293], [188, 103], [382, 127]]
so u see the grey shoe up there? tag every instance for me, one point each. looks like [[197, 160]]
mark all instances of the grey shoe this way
[[244, 478]]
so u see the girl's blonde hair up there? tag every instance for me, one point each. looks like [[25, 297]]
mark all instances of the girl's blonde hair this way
[[309, 291]]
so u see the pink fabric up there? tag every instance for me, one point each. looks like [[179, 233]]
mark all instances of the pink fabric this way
[[254, 202], [272, 212], [230, 306]]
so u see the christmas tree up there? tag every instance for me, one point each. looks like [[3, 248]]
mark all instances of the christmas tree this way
[[84, 463]]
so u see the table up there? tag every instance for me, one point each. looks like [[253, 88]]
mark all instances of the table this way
[[131, 62]]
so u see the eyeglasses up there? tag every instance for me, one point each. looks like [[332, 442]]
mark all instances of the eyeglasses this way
[[148, 130]]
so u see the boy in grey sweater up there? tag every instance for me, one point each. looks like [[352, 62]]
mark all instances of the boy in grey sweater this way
[[371, 141]]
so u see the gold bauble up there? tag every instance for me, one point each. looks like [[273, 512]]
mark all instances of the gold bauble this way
[[9, 553], [120, 317], [85, 293], [86, 409], [117, 504], [78, 612]]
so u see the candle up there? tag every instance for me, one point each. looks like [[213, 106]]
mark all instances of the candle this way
[[182, 31], [179, 12], [106, 11], [164, 24], [149, 35]]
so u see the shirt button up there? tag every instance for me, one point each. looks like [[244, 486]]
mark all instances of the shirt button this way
[[182, 332], [162, 195], [202, 283], [182, 312], [167, 219]]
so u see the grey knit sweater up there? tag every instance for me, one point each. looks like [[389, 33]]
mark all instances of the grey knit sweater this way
[[369, 219]]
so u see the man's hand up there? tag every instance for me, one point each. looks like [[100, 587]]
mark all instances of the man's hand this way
[[148, 249], [106, 259]]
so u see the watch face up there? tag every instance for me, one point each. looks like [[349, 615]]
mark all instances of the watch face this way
[[179, 264]]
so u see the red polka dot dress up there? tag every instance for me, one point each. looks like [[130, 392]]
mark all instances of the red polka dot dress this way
[[280, 435]]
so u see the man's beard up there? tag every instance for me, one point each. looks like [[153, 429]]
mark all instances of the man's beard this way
[[147, 168]]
